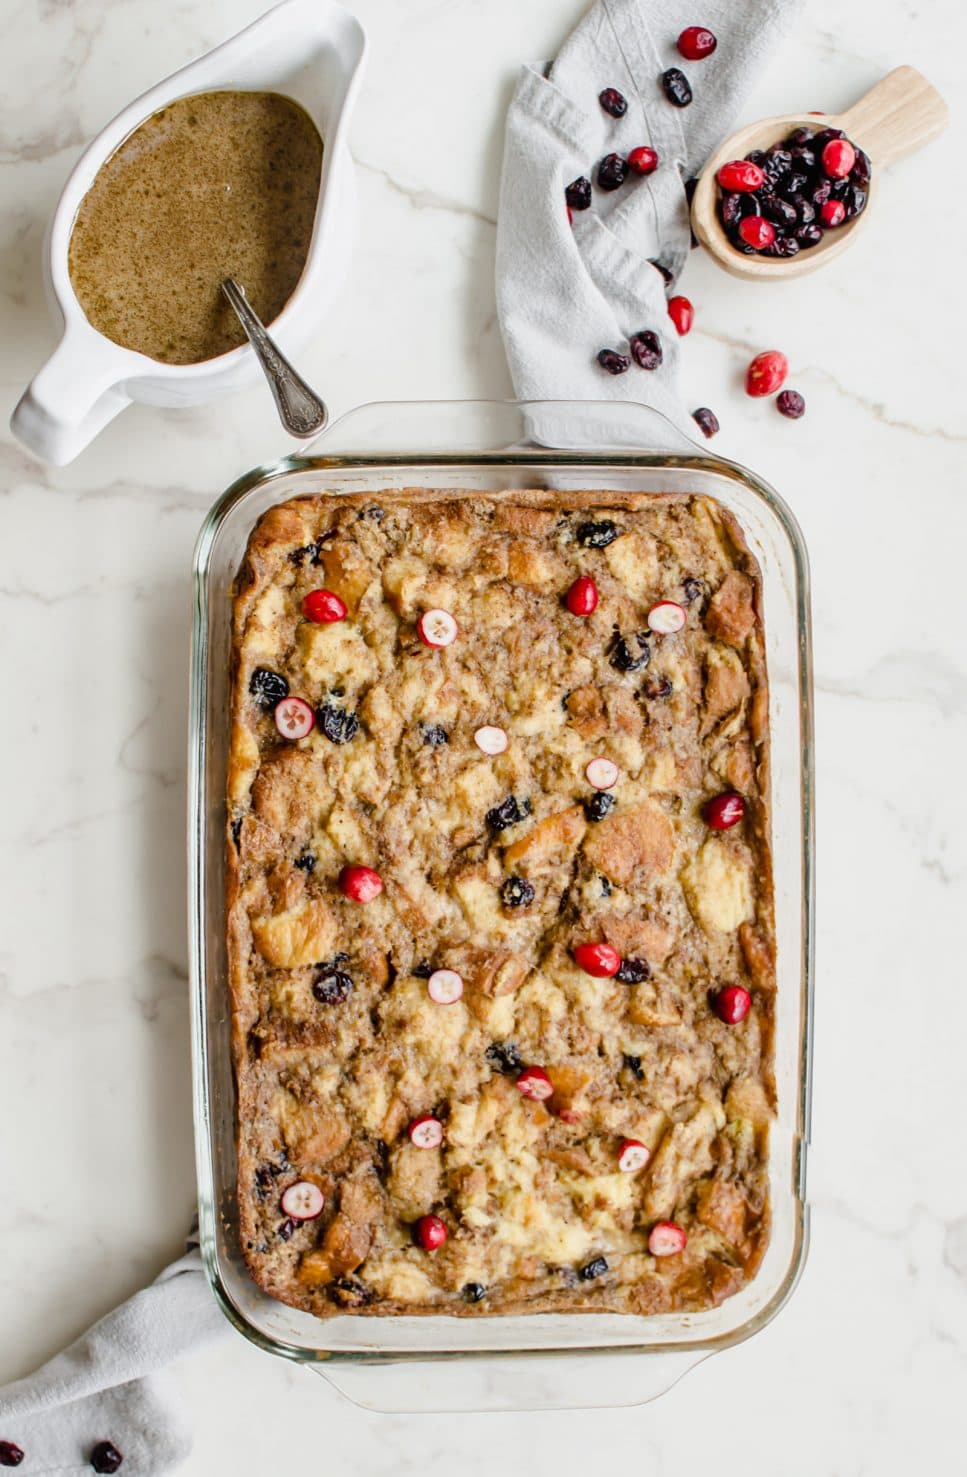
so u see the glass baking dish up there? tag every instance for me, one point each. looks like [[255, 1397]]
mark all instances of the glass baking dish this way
[[412, 1364]]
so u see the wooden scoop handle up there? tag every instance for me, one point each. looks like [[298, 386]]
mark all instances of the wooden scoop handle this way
[[896, 116]]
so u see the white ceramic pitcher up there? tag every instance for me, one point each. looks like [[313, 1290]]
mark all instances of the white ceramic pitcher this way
[[310, 50]]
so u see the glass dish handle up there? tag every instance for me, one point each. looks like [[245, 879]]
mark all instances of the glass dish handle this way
[[426, 1387]]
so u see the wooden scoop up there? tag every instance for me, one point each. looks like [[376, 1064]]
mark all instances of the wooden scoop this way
[[895, 117]]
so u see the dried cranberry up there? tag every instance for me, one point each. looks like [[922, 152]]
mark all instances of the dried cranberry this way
[[613, 362], [11, 1455], [473, 1292], [783, 246], [612, 172], [613, 102], [706, 420], [598, 535], [351, 1292], [757, 232], [730, 209], [805, 212], [594, 1268], [423, 970], [822, 193], [434, 735], [855, 201], [578, 193], [645, 348], [268, 688], [305, 861], [338, 725], [675, 87], [105, 1457], [504, 1057], [643, 160], [284, 1231], [237, 832], [791, 184], [507, 813], [778, 163], [790, 403], [634, 971], [633, 1063], [692, 589], [696, 42], [332, 986], [657, 689], [600, 804], [802, 157], [823, 137], [798, 137], [861, 169], [757, 156], [631, 653], [517, 892], [809, 235]]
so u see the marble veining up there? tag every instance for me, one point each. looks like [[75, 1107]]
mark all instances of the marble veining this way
[[862, 1375]]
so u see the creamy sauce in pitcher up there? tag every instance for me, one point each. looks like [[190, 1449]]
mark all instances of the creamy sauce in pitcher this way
[[221, 184]]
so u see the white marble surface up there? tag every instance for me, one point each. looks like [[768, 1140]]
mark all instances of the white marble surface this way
[[864, 1372]]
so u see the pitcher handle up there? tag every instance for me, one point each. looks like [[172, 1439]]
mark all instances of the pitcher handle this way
[[70, 399]]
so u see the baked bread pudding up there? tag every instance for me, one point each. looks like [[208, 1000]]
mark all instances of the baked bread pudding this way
[[500, 913]]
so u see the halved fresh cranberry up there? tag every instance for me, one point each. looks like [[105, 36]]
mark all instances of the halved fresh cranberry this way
[[696, 42], [360, 884], [303, 1201], [430, 1232], [490, 739], [602, 774], [599, 960], [426, 1132], [723, 812], [582, 597], [741, 176], [11, 1455], [757, 232], [766, 373], [682, 314], [613, 102], [294, 718], [839, 156], [534, 1083], [666, 1239], [666, 617], [436, 628], [643, 160], [324, 607], [632, 1156], [444, 986], [732, 1004], [832, 213]]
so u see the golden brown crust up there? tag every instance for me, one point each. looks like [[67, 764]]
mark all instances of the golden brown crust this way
[[530, 1192]]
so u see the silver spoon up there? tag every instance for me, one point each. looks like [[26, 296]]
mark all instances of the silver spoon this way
[[301, 411]]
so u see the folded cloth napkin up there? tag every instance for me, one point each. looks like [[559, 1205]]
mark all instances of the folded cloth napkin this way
[[566, 291], [110, 1385]]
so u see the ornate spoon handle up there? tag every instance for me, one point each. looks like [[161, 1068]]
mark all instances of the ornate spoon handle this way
[[300, 409]]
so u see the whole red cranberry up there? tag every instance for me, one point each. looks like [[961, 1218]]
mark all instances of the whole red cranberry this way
[[732, 1004], [757, 232], [643, 160], [696, 42], [682, 314], [832, 213], [766, 373], [582, 597]]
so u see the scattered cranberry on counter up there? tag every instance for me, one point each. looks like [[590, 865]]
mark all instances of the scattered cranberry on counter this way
[[696, 42], [602, 774], [741, 176], [612, 172], [613, 362], [732, 1004], [105, 1457], [791, 404], [707, 421], [490, 739], [294, 718], [632, 1156], [723, 812], [832, 213], [666, 1239], [757, 232], [360, 884], [666, 618], [839, 157], [444, 986], [436, 628], [682, 314], [613, 102], [599, 960], [11, 1455], [324, 607], [675, 87], [643, 160], [766, 374], [578, 193], [426, 1132], [534, 1083], [430, 1232], [645, 347], [303, 1201], [582, 597]]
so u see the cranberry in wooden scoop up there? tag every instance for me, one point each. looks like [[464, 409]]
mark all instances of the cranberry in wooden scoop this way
[[599, 960], [632, 1156], [900, 114], [732, 1004], [360, 884], [324, 607], [724, 811], [666, 1239], [437, 628], [426, 1132], [741, 175], [534, 1083], [430, 1232], [303, 1201], [582, 597]]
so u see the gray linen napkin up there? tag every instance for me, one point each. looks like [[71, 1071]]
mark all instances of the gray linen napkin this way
[[566, 291], [110, 1384]]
